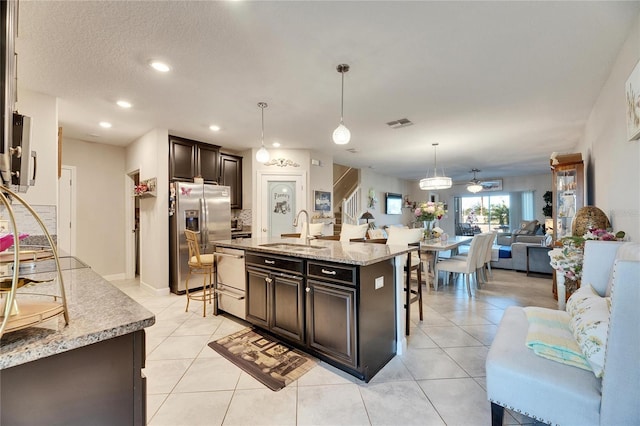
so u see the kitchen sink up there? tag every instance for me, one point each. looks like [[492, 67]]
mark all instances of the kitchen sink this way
[[293, 247]]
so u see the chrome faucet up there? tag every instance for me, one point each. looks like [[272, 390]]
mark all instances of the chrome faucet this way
[[305, 230]]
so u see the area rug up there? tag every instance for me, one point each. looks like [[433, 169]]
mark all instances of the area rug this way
[[265, 358]]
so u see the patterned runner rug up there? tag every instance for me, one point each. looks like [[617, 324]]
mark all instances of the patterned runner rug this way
[[265, 358]]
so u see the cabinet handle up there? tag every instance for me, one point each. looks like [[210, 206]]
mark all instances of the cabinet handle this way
[[308, 290], [270, 262], [324, 271], [268, 280]]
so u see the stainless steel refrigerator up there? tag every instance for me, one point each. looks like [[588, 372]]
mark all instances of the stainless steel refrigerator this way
[[202, 208]]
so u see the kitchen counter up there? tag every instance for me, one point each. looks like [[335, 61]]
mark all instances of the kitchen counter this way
[[351, 253], [89, 369]]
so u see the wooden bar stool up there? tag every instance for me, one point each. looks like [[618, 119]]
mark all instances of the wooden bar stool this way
[[199, 264]]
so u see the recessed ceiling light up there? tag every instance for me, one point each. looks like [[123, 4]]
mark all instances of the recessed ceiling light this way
[[105, 124], [159, 66], [214, 128], [276, 144], [123, 104]]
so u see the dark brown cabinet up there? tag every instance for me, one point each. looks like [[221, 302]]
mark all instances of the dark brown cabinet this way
[[275, 295], [188, 158], [331, 321], [231, 175], [343, 314]]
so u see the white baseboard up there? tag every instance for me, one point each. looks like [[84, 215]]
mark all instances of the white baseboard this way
[[114, 277], [153, 290]]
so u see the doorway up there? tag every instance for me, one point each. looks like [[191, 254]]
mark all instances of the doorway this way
[[133, 220], [66, 235], [281, 196]]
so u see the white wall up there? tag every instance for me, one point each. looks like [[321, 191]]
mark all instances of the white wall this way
[[100, 204], [43, 110], [613, 162], [150, 155], [381, 184]]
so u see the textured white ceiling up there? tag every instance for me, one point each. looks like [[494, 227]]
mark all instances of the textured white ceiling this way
[[499, 85]]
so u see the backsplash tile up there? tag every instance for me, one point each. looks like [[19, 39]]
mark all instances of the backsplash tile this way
[[26, 222]]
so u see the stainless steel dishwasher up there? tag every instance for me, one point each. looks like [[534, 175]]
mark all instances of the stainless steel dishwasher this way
[[230, 282]]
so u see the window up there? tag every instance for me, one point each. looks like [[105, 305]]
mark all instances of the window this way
[[497, 212]]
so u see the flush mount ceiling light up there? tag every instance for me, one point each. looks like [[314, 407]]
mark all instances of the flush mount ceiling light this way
[[435, 182], [159, 66], [262, 155], [123, 104], [342, 135], [474, 185], [214, 128], [105, 124]]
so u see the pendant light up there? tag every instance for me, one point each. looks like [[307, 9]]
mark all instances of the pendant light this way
[[474, 185], [435, 182], [342, 135], [262, 155]]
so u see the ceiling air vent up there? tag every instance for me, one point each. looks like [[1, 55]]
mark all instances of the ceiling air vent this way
[[396, 124], [352, 150]]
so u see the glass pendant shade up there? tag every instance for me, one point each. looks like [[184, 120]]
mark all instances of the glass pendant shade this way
[[262, 155], [435, 182], [341, 135]]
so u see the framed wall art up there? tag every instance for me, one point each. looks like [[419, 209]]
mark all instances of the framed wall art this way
[[322, 201], [632, 91]]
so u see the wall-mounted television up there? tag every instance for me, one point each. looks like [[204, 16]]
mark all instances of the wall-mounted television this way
[[393, 203]]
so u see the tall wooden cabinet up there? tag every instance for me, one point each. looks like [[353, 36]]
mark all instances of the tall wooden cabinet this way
[[568, 195]]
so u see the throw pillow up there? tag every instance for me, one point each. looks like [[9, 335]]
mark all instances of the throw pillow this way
[[349, 231], [374, 234], [590, 325], [578, 296]]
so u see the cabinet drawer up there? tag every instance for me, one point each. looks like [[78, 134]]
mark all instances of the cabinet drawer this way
[[333, 272], [276, 262]]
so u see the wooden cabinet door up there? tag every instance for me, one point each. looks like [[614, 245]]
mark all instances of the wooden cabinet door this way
[[257, 297], [231, 175], [331, 321], [287, 318], [208, 162], [182, 159]]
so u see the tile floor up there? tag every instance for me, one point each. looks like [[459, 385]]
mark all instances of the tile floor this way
[[439, 381]]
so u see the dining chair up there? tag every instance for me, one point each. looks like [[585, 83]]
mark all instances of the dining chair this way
[[486, 240], [486, 268], [405, 237], [467, 265], [201, 264]]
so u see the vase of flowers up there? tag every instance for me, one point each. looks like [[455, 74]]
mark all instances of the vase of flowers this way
[[427, 213]]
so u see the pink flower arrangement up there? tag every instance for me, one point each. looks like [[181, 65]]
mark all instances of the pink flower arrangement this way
[[430, 211]]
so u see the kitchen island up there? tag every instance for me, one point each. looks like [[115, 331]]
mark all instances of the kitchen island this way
[[87, 372], [340, 301]]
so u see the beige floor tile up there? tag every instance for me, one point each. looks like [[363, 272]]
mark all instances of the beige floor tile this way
[[193, 409], [431, 364], [447, 337], [410, 405], [332, 405], [179, 347], [471, 359], [206, 375], [262, 407], [163, 375], [459, 401]]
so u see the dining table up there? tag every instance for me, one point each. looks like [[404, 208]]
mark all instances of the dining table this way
[[432, 249]]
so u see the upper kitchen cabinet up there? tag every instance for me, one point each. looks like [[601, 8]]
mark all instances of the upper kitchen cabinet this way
[[231, 175], [188, 158]]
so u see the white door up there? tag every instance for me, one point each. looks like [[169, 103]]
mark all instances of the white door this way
[[66, 211], [281, 197]]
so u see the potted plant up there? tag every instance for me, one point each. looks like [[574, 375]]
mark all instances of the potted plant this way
[[547, 209]]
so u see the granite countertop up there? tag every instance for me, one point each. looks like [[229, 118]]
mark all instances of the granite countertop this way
[[97, 311], [351, 253]]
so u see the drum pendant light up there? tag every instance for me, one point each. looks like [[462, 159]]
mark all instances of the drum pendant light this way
[[435, 182], [342, 135], [262, 155]]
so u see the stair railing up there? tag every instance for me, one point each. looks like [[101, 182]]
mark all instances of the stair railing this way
[[351, 207]]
